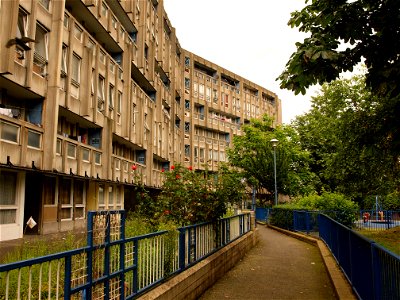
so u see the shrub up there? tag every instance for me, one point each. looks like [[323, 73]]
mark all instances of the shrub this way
[[337, 206]]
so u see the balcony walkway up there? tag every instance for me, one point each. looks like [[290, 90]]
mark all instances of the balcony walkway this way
[[279, 267]]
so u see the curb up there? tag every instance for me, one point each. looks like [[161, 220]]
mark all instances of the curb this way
[[340, 283]]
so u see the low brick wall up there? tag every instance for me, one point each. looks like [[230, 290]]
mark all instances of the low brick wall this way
[[194, 281]]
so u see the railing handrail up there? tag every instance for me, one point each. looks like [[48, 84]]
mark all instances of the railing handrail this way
[[140, 261]]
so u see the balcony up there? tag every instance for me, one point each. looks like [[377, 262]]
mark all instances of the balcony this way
[[77, 158], [21, 143]]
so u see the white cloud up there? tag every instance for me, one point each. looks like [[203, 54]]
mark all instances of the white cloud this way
[[250, 38]]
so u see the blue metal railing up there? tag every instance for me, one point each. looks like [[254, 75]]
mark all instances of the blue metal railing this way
[[373, 271], [112, 266]]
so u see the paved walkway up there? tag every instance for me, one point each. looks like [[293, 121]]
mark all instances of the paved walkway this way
[[279, 267]]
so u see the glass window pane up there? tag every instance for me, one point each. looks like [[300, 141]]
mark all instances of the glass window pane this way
[[71, 150], [85, 155], [49, 184], [64, 193], [66, 213], [101, 195], [8, 183], [79, 212], [9, 132], [8, 216], [34, 139], [78, 191], [97, 157]]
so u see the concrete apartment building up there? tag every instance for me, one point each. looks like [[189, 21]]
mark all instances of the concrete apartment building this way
[[96, 95]]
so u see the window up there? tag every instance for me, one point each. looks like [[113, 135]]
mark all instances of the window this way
[[71, 150], [104, 9], [195, 89], [58, 147], [49, 190], [112, 67], [111, 97], [97, 158], [187, 127], [110, 197], [76, 69], [187, 104], [66, 21], [201, 91], [187, 61], [22, 28], [187, 150], [114, 22], [64, 198], [187, 83], [102, 202], [9, 132], [208, 94], [8, 201], [100, 94], [45, 3], [34, 139], [78, 32], [102, 57], [202, 151], [40, 57], [118, 198], [64, 70], [79, 199], [85, 155], [119, 107], [22, 31]]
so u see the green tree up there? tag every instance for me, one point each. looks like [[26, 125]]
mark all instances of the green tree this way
[[190, 197], [334, 131], [342, 34], [252, 154]]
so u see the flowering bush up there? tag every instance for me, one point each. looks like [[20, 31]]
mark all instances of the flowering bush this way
[[190, 197]]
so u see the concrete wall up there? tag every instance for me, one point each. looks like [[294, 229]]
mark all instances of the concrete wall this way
[[193, 282]]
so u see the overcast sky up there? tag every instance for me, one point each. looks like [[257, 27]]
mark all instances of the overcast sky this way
[[250, 38]]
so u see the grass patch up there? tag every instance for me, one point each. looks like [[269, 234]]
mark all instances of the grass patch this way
[[389, 239]]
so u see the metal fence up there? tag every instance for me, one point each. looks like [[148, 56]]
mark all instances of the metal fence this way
[[114, 267], [377, 220], [373, 271]]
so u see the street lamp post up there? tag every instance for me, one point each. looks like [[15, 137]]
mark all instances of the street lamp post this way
[[274, 143]]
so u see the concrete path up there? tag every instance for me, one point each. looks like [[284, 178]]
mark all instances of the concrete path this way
[[279, 267]]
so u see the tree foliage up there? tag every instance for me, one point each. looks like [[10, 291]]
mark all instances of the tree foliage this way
[[252, 154], [342, 33], [190, 197], [336, 133]]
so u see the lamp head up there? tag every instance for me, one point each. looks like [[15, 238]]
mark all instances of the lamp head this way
[[274, 142]]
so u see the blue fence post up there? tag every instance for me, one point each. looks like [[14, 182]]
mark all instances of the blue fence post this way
[[376, 272], [67, 278], [107, 257], [89, 262], [136, 263], [181, 249], [122, 253], [308, 222]]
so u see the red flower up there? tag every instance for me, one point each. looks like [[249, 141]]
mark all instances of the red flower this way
[[166, 212], [172, 167], [162, 170], [133, 167], [177, 176], [190, 168]]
